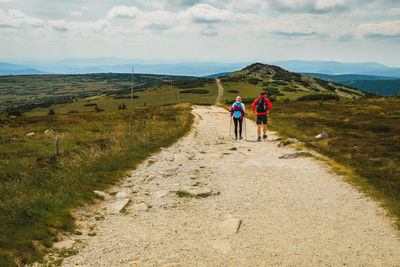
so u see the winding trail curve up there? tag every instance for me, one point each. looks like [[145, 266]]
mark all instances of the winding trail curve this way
[[220, 91]]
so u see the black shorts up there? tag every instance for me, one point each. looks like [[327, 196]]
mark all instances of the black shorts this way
[[262, 119]]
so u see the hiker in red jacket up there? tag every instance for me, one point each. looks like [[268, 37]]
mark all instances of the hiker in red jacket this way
[[261, 107]]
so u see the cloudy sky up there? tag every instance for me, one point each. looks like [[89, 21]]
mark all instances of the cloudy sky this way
[[202, 30]]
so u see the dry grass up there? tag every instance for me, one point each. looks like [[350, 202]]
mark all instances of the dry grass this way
[[38, 190]]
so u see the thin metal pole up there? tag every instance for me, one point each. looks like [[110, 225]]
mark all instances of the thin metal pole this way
[[179, 97], [230, 126], [131, 110], [57, 147], [245, 128]]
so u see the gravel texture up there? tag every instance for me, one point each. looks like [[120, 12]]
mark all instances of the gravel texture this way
[[258, 209]]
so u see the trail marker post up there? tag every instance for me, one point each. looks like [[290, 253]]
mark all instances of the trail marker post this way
[[57, 147], [131, 110]]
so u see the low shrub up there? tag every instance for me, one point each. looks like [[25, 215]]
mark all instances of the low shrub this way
[[254, 81], [233, 91], [125, 96], [279, 83], [318, 97], [288, 89], [194, 91]]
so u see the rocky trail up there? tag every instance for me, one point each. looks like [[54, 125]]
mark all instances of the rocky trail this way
[[209, 200]]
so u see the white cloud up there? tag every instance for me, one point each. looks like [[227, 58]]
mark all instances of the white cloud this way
[[79, 26], [204, 13], [394, 12], [384, 29], [309, 6], [76, 13], [59, 25], [15, 18], [123, 12]]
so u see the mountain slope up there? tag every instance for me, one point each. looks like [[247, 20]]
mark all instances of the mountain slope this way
[[279, 83]]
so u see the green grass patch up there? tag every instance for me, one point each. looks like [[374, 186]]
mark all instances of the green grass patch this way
[[38, 190], [364, 137]]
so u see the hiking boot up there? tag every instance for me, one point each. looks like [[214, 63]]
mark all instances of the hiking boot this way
[[240, 138], [259, 139], [265, 136], [236, 138]]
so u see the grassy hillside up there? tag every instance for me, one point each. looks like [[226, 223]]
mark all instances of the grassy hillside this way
[[46, 89], [38, 190], [195, 91], [364, 136], [386, 86], [279, 84]]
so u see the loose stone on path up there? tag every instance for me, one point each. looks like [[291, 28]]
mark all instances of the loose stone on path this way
[[118, 205], [229, 226], [197, 190], [66, 244], [141, 207]]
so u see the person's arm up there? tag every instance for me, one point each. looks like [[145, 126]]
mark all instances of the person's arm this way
[[244, 108], [269, 105], [254, 104]]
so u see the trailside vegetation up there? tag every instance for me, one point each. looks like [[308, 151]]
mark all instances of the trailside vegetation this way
[[46, 90], [364, 136], [38, 189]]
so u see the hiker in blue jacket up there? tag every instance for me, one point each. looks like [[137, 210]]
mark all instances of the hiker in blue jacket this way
[[238, 112]]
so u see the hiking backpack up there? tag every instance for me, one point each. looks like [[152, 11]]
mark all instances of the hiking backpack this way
[[237, 113], [262, 105]]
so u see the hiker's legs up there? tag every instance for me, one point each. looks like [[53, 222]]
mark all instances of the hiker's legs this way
[[264, 129], [240, 127], [259, 121], [235, 120]]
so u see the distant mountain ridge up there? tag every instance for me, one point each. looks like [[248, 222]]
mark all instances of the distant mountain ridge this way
[[16, 69], [338, 68], [121, 65], [387, 86]]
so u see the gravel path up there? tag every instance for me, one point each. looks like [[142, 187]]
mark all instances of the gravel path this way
[[220, 91], [256, 209]]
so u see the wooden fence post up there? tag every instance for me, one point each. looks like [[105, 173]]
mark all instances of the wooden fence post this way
[[57, 147]]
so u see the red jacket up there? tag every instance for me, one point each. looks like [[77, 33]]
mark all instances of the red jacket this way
[[256, 102]]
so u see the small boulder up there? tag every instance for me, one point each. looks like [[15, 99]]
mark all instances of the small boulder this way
[[66, 244], [197, 190], [322, 136], [229, 226], [141, 207], [118, 205], [121, 195]]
